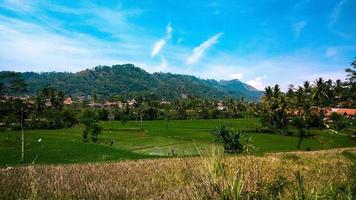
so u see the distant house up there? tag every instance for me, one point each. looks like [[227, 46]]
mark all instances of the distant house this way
[[95, 105], [220, 106], [81, 98], [164, 102], [48, 103], [68, 101], [132, 102], [350, 112], [113, 104]]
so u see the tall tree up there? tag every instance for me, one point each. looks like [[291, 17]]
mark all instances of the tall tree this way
[[320, 92]]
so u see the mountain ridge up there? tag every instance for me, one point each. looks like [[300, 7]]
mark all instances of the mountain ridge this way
[[129, 81]]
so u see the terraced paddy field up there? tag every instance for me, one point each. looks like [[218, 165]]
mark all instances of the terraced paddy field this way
[[157, 139]]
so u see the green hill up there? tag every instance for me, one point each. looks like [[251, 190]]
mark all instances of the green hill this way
[[129, 81]]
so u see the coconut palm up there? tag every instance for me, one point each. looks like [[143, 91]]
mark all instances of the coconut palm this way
[[351, 73], [268, 92], [307, 87], [320, 92]]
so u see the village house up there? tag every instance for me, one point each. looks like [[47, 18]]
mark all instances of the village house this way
[[349, 112], [113, 104], [220, 106], [68, 101], [48, 103], [132, 102], [164, 102]]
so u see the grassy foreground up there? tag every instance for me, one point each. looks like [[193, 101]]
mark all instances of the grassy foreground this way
[[181, 138], [327, 174]]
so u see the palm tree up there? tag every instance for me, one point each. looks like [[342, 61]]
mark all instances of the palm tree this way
[[351, 73], [300, 97], [281, 112], [268, 92], [338, 88], [320, 92], [307, 88], [276, 91]]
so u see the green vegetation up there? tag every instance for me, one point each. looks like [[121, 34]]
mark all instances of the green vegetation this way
[[234, 141], [127, 141], [128, 81]]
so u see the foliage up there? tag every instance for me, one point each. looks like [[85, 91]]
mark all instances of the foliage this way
[[103, 114], [91, 128], [129, 81], [340, 122], [306, 106], [234, 141], [11, 83], [69, 118]]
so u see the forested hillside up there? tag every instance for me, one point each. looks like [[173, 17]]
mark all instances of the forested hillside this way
[[128, 81]]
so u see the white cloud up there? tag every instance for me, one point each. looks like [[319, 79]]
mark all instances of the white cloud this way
[[330, 52], [257, 83], [298, 28], [164, 63], [17, 5], [158, 46], [25, 46], [336, 12], [162, 42], [236, 76], [169, 31], [180, 40], [199, 51]]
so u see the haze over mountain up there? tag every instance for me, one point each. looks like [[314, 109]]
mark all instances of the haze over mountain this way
[[129, 81]]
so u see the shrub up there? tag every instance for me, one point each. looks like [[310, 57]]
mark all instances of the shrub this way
[[69, 119], [103, 114], [90, 126], [95, 131], [340, 122], [234, 141]]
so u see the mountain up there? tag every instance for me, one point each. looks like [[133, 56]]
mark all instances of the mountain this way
[[129, 81]]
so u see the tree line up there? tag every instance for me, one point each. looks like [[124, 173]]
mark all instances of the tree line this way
[[299, 107]]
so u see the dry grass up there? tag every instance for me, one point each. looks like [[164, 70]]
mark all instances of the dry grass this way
[[187, 178]]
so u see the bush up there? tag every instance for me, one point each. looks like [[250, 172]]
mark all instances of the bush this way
[[90, 126], [234, 141], [340, 122], [69, 119], [103, 114]]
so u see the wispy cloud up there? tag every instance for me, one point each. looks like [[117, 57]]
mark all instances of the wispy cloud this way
[[298, 28], [336, 12], [199, 51], [330, 52], [26, 45], [163, 65], [301, 4], [17, 5], [158, 46], [162, 42]]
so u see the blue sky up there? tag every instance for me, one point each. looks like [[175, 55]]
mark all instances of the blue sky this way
[[261, 42]]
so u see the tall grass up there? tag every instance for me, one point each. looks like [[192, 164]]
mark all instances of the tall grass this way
[[213, 175], [218, 178]]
